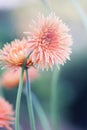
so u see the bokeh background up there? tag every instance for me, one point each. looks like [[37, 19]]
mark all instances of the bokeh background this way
[[15, 16]]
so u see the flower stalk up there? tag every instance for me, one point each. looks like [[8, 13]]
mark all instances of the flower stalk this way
[[17, 127], [40, 112], [1, 92], [54, 98], [29, 101]]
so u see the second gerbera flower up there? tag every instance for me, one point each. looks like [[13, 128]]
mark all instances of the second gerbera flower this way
[[14, 54], [6, 114], [50, 41]]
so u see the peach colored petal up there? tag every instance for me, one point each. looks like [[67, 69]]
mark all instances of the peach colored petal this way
[[6, 114], [14, 54], [50, 41]]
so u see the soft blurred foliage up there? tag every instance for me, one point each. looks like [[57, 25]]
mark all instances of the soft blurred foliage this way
[[72, 80]]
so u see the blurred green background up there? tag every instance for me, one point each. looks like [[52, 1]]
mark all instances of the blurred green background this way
[[15, 16]]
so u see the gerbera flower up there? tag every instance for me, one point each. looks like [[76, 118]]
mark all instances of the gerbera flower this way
[[6, 114], [50, 41], [14, 54], [10, 79]]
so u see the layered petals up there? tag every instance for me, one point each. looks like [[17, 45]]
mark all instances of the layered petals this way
[[50, 41], [6, 114]]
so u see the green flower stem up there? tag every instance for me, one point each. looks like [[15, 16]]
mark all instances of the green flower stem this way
[[47, 8], [81, 12], [40, 113], [54, 98], [17, 126], [1, 92], [29, 102]]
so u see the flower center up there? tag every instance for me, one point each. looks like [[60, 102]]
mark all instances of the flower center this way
[[45, 40]]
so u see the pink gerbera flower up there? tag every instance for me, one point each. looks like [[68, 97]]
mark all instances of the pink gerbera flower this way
[[13, 55], [6, 114], [50, 41]]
